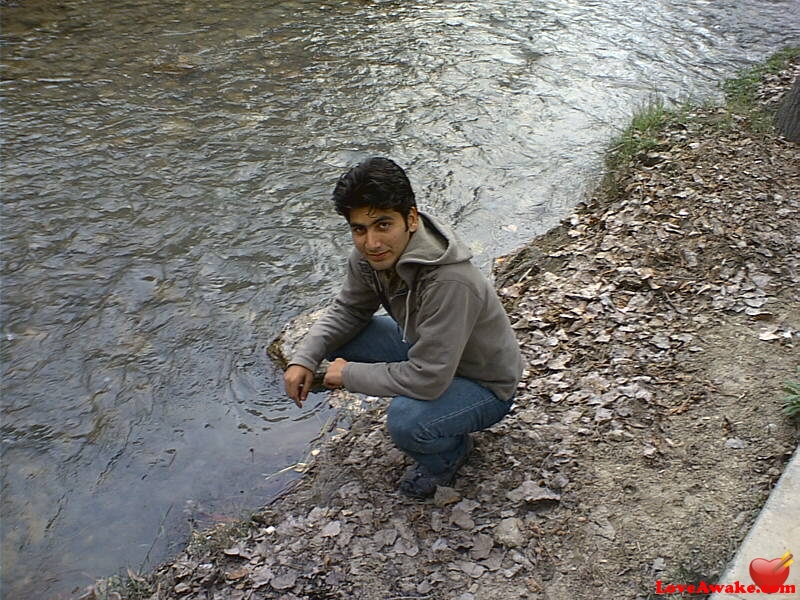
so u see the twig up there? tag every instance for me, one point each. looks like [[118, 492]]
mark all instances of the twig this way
[[160, 531]]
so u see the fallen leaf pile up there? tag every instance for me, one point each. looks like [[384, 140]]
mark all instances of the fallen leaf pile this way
[[656, 323]]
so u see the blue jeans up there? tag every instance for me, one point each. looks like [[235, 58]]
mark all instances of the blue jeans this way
[[432, 432]]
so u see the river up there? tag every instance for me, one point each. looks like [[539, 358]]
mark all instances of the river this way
[[166, 173]]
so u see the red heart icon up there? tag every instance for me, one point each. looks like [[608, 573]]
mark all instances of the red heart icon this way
[[767, 576]]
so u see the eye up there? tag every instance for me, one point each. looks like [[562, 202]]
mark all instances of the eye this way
[[383, 226]]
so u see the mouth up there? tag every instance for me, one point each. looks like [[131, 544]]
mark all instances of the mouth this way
[[378, 257]]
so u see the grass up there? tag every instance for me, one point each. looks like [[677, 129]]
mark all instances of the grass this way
[[791, 403], [128, 587], [644, 134], [740, 91], [214, 541]]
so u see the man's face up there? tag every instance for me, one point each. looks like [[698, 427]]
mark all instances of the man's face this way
[[381, 235]]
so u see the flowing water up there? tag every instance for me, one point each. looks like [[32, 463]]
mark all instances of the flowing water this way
[[166, 170]]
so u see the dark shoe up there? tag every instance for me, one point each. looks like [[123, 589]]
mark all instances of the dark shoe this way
[[418, 482]]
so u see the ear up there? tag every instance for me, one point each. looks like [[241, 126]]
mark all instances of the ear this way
[[413, 219]]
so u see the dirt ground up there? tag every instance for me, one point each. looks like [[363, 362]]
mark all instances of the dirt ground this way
[[660, 323]]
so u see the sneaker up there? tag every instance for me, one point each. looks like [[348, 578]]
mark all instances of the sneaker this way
[[418, 482]]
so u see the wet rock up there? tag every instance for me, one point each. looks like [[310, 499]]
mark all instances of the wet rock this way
[[282, 348]]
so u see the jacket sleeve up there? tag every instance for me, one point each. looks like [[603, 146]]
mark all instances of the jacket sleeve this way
[[447, 315], [349, 313]]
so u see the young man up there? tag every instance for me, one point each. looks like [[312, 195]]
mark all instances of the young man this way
[[445, 352]]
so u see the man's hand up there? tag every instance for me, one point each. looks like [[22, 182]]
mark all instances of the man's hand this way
[[297, 380], [333, 376]]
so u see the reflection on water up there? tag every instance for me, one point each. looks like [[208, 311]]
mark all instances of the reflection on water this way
[[166, 171]]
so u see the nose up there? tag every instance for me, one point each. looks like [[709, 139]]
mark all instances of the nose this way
[[372, 241]]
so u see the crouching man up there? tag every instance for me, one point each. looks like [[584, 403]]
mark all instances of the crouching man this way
[[445, 352]]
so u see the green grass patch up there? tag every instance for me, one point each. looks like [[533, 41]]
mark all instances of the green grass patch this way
[[740, 91], [642, 135], [791, 402]]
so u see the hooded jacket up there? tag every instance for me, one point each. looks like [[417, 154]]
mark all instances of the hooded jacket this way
[[447, 308]]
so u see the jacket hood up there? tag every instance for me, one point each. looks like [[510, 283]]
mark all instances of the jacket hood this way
[[434, 243]]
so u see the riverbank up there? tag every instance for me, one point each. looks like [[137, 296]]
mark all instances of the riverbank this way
[[659, 323]]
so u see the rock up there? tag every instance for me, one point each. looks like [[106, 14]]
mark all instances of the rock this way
[[402, 546], [659, 564], [533, 585], [601, 415], [472, 569], [282, 347], [559, 482], [615, 435], [509, 533], [482, 547], [467, 505], [261, 576], [236, 574], [439, 545], [385, 537], [285, 581], [734, 443], [445, 495], [332, 529], [461, 518], [603, 528], [531, 493]]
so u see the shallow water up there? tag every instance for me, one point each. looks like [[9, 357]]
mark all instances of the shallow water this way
[[166, 169]]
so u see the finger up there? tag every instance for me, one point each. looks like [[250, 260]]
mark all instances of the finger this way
[[297, 394], [292, 390], [302, 391], [305, 387], [328, 381]]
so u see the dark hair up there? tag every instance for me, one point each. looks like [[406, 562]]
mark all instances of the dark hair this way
[[377, 183]]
